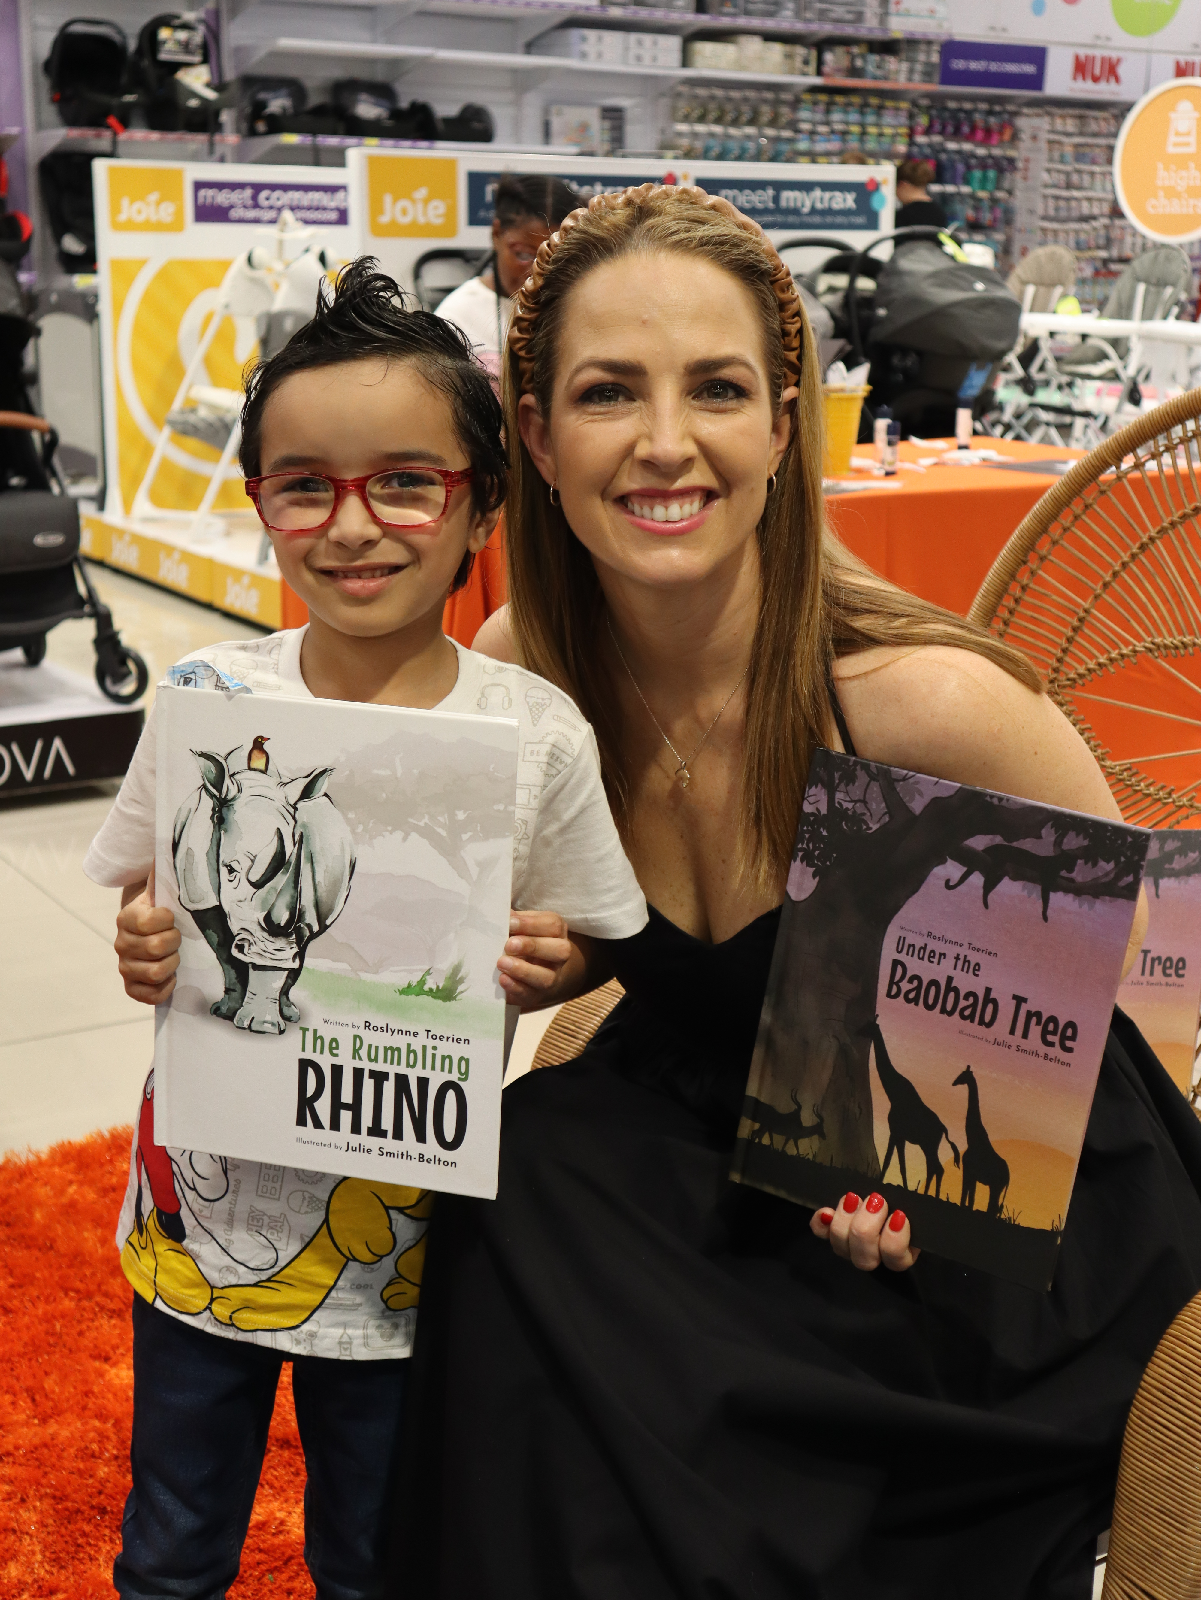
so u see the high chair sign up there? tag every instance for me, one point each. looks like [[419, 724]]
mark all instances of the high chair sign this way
[[1156, 165]]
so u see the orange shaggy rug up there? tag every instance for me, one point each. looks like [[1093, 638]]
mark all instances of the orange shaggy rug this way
[[67, 1391]]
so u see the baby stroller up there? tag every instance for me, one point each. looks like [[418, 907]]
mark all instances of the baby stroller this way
[[938, 325], [43, 581]]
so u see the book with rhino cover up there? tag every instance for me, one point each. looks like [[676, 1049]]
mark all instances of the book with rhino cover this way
[[341, 876], [937, 1008]]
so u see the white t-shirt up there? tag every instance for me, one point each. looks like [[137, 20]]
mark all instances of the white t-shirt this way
[[474, 307], [247, 1223]]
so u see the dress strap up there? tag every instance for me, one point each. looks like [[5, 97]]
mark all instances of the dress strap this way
[[840, 722]]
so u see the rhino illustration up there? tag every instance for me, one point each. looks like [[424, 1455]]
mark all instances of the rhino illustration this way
[[263, 865]]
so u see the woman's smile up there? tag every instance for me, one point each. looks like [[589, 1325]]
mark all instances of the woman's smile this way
[[668, 510]]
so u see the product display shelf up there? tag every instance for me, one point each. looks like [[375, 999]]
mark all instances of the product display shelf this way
[[409, 57], [544, 14], [222, 572], [136, 143]]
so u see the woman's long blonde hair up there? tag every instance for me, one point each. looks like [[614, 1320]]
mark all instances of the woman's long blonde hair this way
[[817, 601]]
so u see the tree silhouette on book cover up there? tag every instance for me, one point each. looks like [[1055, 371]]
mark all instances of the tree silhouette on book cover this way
[[925, 994]]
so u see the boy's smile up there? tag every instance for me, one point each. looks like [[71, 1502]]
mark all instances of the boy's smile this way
[[362, 581]]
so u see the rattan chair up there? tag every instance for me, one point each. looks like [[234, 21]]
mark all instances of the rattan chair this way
[[1154, 1548], [575, 1024], [1101, 587]]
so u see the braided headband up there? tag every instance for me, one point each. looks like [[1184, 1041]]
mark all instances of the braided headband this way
[[521, 329]]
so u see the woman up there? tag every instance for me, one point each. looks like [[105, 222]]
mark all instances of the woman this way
[[634, 1377], [528, 208], [914, 205]]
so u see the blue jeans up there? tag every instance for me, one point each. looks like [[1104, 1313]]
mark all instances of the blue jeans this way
[[201, 1408]]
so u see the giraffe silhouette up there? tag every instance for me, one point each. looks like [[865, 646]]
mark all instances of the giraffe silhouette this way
[[910, 1119], [981, 1163]]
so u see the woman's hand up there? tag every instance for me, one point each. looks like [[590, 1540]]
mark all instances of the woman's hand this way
[[147, 945], [543, 961], [862, 1232]]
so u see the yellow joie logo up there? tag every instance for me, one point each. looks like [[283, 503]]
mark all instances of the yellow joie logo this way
[[412, 197], [146, 199]]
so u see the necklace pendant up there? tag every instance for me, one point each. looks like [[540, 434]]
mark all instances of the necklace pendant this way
[[683, 776]]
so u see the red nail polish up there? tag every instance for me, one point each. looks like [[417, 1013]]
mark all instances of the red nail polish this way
[[875, 1202], [897, 1221], [826, 1218], [850, 1202]]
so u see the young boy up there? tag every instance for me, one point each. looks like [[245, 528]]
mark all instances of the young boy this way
[[372, 447]]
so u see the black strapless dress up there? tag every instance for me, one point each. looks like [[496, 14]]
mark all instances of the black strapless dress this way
[[636, 1380]]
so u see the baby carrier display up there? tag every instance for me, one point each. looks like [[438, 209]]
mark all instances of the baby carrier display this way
[[169, 45], [280, 105], [471, 124], [42, 580], [16, 230], [88, 69], [937, 326], [65, 180], [365, 106]]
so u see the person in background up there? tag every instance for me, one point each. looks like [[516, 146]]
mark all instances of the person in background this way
[[528, 209], [915, 209]]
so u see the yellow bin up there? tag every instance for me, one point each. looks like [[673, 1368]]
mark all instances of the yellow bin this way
[[842, 408]]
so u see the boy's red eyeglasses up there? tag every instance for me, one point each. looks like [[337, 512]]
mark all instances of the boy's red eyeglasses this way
[[306, 502]]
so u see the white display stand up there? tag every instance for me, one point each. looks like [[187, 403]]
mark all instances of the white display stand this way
[[166, 234], [57, 730], [408, 204]]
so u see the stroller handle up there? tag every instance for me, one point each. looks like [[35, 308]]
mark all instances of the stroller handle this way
[[924, 231], [22, 419]]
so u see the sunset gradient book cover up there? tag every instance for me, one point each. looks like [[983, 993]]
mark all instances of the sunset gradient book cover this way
[[937, 1009]]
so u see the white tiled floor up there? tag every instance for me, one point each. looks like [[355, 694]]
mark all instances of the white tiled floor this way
[[74, 1050]]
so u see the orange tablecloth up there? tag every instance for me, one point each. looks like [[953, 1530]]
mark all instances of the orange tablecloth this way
[[939, 532]]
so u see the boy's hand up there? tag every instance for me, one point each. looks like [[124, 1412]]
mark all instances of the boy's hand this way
[[862, 1232], [540, 960], [147, 945]]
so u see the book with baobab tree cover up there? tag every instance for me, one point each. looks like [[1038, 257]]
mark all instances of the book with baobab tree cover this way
[[1162, 991], [341, 876], [937, 1008]]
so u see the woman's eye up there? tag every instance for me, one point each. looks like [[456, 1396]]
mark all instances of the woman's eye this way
[[603, 394], [719, 389], [302, 486]]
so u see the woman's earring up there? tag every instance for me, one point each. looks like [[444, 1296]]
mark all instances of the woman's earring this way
[[771, 482], [554, 494]]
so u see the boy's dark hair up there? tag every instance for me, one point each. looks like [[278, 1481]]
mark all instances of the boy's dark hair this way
[[367, 316], [535, 196]]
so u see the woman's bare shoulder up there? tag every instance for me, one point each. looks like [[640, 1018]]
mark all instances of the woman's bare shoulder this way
[[955, 714], [494, 638]]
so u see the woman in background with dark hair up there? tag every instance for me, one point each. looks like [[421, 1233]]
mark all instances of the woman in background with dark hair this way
[[529, 207], [915, 209]]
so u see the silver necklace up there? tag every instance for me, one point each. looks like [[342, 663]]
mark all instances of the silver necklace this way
[[681, 775]]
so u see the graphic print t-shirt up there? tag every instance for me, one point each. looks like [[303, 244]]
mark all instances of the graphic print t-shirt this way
[[245, 1222]]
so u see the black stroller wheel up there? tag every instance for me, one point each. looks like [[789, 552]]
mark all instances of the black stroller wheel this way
[[122, 674], [34, 649]]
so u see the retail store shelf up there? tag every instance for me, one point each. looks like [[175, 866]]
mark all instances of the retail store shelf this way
[[562, 12], [408, 57]]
